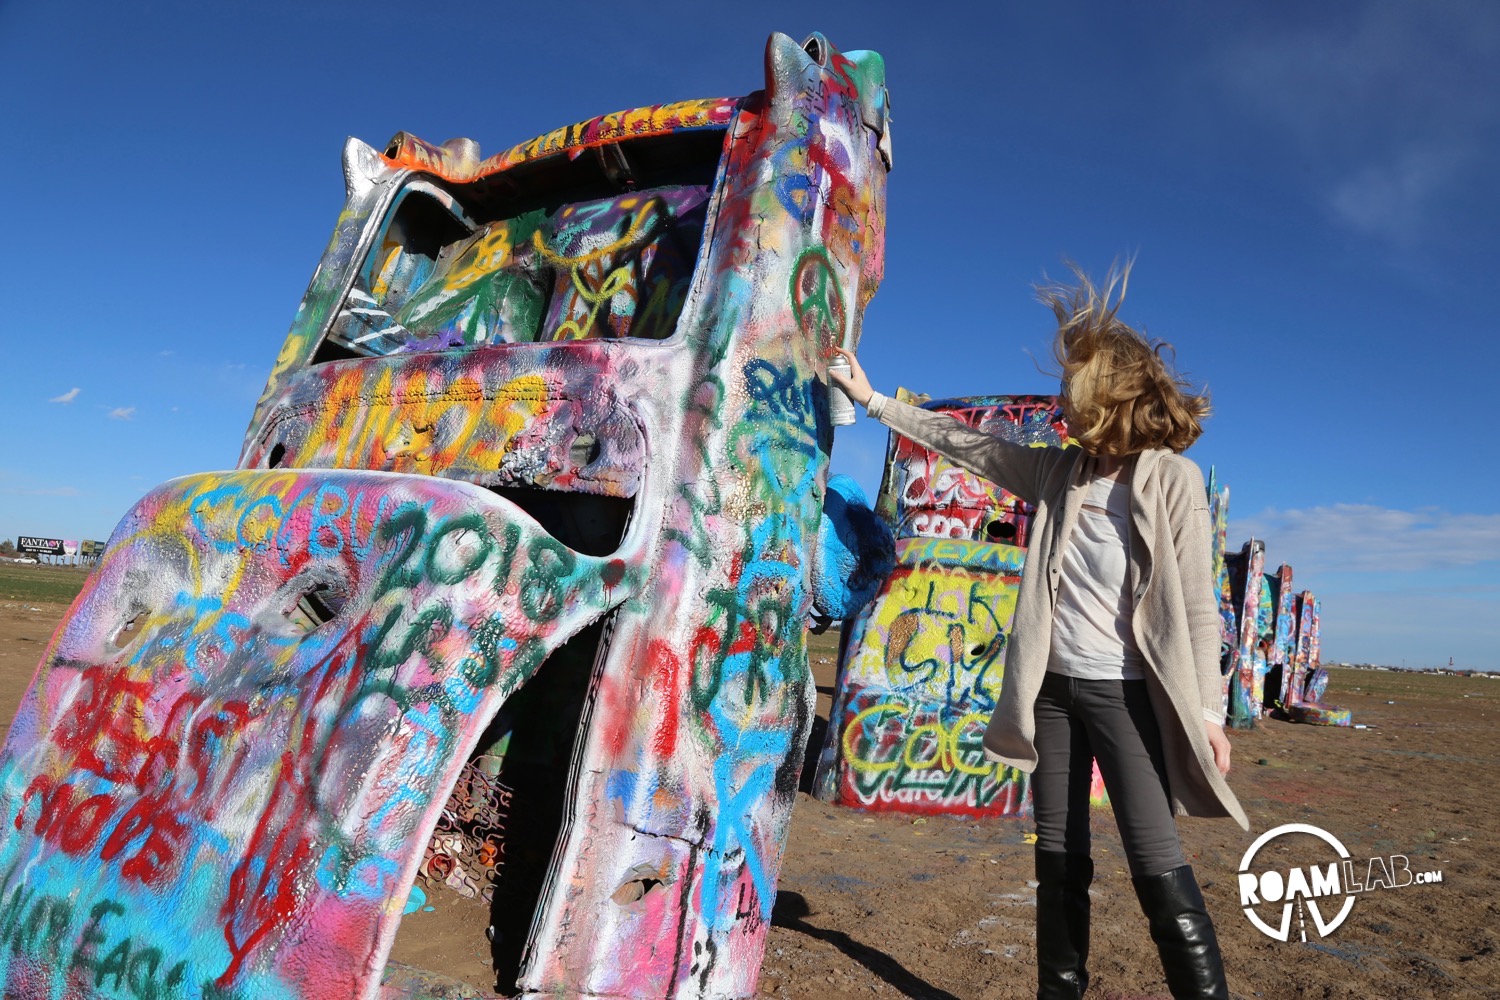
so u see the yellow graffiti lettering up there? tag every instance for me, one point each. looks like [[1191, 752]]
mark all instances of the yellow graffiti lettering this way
[[852, 730], [914, 741], [650, 213], [492, 253], [945, 754], [986, 767]]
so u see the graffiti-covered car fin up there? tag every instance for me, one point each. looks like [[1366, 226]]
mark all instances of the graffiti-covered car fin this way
[[238, 742]]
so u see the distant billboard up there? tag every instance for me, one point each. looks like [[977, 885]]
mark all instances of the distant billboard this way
[[40, 546], [89, 549]]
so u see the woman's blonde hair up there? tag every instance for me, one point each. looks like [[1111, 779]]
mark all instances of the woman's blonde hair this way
[[1121, 395]]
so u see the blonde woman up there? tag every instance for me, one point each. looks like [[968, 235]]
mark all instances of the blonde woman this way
[[1114, 649]]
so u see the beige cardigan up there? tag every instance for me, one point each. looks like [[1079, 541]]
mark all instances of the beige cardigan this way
[[1176, 622]]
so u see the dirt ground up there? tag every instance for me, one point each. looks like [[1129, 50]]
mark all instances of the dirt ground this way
[[873, 904]]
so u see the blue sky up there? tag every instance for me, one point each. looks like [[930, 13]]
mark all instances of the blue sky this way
[[1308, 190]]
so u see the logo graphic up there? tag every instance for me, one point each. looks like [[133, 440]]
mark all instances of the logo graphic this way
[[1316, 889]]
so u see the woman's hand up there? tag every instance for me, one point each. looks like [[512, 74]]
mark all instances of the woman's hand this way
[[855, 385], [1220, 744]]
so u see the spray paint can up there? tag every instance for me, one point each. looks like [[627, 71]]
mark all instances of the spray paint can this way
[[841, 412]]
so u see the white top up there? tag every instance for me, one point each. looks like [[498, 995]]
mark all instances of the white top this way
[[1091, 634]]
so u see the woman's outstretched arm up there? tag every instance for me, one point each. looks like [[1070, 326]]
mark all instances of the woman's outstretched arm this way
[[1016, 467]]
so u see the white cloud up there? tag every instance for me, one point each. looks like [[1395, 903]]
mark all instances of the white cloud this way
[[1393, 200], [1368, 71], [1385, 100], [122, 413], [1360, 538], [66, 397]]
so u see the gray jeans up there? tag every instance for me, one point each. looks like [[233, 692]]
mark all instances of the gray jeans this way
[[1077, 722]]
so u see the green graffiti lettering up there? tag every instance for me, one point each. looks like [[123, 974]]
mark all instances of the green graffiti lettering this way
[[486, 636], [83, 954], [409, 524], [59, 920], [15, 907], [175, 976], [528, 657], [140, 977], [115, 964], [509, 542], [467, 564], [541, 585], [26, 938]]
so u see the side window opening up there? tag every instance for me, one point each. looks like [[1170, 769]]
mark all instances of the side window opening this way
[[576, 259]]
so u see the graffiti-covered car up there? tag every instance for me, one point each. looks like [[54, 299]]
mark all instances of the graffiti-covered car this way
[[920, 668], [508, 590]]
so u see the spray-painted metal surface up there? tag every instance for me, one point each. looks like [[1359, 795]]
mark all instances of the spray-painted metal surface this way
[[919, 676], [1218, 509], [525, 524], [856, 552], [920, 668], [269, 775], [924, 495], [1284, 629], [1309, 681], [1242, 680], [1218, 505]]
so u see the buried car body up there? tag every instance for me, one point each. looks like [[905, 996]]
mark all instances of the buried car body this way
[[523, 529]]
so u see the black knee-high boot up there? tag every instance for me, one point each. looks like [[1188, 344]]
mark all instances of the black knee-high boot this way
[[1184, 934], [1062, 924]]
